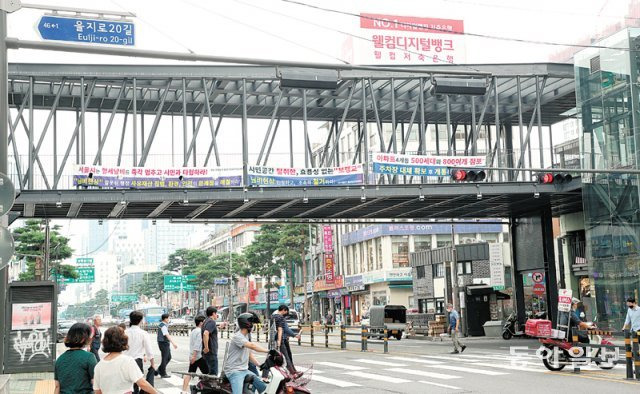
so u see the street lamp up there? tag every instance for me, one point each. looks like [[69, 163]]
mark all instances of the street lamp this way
[[231, 311]]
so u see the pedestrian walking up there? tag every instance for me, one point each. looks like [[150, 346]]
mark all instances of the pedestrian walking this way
[[117, 372], [282, 335], [139, 344], [633, 315], [210, 340], [96, 336], [454, 329], [196, 361], [74, 368], [164, 343], [329, 321]]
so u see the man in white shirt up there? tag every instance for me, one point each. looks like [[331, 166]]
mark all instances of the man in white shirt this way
[[196, 361], [139, 344]]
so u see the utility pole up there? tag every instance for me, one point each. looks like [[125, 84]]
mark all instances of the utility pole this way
[[47, 252], [454, 274], [231, 311]]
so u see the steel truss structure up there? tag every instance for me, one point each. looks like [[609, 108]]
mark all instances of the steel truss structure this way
[[525, 97]]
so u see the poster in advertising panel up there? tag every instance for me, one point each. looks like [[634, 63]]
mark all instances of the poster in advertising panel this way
[[327, 176], [155, 178], [393, 39], [32, 316], [414, 165]]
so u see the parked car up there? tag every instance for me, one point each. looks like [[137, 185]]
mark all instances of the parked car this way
[[63, 329]]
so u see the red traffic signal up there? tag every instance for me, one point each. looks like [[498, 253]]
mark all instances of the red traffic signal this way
[[468, 175], [548, 178]]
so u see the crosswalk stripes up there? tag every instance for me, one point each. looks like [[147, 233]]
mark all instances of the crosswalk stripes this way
[[342, 366], [424, 374], [468, 370], [378, 362], [382, 378], [334, 382], [448, 358], [510, 367], [446, 386], [415, 360]]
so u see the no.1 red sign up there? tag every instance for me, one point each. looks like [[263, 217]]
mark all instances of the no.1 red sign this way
[[539, 289]]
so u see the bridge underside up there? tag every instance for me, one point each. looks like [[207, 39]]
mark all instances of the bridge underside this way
[[390, 202]]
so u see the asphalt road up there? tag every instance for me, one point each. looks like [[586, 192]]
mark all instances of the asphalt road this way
[[415, 366]]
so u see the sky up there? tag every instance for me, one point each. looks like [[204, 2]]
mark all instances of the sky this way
[[282, 30]]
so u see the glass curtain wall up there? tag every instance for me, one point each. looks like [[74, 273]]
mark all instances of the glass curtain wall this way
[[607, 98]]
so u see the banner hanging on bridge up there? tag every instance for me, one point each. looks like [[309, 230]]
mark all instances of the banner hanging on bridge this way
[[397, 164], [326, 176], [155, 178]]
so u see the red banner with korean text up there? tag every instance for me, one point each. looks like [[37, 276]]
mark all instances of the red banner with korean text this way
[[329, 268]]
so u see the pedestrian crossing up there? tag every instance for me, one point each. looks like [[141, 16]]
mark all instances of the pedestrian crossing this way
[[444, 372]]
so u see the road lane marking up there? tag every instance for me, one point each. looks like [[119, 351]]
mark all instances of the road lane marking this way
[[174, 380], [171, 390], [376, 362], [469, 370], [335, 382], [424, 374], [415, 360], [382, 378], [446, 386], [457, 359], [341, 366], [312, 353]]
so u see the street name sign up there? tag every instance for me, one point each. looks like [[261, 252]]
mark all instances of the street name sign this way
[[90, 31], [84, 261], [85, 275]]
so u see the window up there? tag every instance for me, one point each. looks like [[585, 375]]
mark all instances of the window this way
[[421, 242], [464, 268], [379, 297], [438, 270], [420, 271], [490, 237], [443, 240], [400, 251]]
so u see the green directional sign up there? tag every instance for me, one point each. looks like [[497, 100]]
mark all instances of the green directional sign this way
[[84, 261], [129, 297], [174, 282], [85, 275]]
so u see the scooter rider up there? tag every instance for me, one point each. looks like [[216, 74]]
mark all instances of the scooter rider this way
[[576, 323], [236, 366]]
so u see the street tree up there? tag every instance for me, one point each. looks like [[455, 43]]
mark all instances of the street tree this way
[[261, 258], [30, 244], [291, 249], [151, 285]]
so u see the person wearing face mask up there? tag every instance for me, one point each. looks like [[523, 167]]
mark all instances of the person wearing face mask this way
[[633, 315]]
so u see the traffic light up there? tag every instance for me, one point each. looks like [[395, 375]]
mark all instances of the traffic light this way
[[549, 178], [460, 175]]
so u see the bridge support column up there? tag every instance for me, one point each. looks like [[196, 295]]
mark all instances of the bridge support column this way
[[508, 139], [533, 251]]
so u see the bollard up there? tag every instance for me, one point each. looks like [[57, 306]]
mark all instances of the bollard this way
[[386, 341], [343, 337], [628, 354], [228, 331], [300, 337], [363, 346], [326, 335], [311, 334], [258, 329], [636, 356]]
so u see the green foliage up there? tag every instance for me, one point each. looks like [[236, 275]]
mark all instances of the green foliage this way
[[85, 310], [260, 253], [151, 285], [30, 244], [292, 242], [188, 259]]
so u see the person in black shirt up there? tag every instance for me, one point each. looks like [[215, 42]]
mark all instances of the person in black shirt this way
[[282, 334], [210, 340]]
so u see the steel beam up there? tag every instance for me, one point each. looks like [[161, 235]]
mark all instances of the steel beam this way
[[200, 210], [280, 208], [29, 210], [359, 206], [211, 146], [319, 207], [109, 123], [16, 156], [241, 208], [159, 209], [273, 138], [245, 136], [30, 135], [342, 122], [117, 210], [266, 137], [74, 209], [154, 127]]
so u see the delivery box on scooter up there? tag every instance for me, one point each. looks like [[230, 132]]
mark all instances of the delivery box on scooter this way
[[538, 328]]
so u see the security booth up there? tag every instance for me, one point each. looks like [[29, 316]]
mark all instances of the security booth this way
[[31, 329]]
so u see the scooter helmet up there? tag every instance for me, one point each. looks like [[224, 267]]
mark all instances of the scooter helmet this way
[[247, 320]]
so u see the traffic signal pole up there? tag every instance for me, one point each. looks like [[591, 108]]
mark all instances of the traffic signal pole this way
[[4, 163]]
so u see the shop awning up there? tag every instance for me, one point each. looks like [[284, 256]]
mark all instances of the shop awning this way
[[400, 286]]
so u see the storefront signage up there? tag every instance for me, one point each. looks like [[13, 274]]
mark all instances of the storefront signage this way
[[321, 285], [329, 268], [354, 283], [337, 293], [394, 275], [496, 266], [155, 178], [327, 231], [380, 230], [328, 176], [413, 165]]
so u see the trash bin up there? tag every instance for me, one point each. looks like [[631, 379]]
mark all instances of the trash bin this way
[[493, 328]]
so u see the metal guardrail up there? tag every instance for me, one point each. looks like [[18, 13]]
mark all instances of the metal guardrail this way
[[631, 348], [320, 334]]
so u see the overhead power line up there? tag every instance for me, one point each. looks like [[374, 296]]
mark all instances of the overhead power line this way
[[479, 35]]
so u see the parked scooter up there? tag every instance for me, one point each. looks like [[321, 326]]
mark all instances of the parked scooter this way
[[512, 328]]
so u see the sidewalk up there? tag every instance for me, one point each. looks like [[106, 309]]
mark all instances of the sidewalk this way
[[25, 383]]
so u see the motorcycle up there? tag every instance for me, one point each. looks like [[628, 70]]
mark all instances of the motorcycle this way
[[512, 327], [280, 381], [558, 353]]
